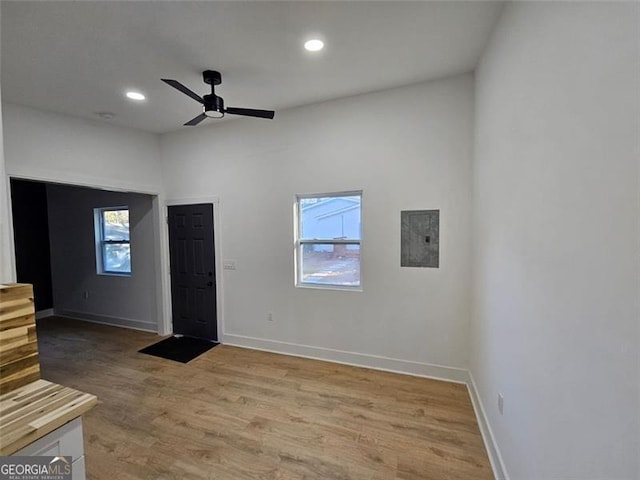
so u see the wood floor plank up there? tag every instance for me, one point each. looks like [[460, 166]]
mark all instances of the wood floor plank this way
[[239, 414]]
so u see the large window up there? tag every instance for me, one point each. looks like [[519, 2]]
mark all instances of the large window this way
[[328, 238], [113, 248]]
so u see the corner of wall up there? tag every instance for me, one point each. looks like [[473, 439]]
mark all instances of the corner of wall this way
[[490, 443]]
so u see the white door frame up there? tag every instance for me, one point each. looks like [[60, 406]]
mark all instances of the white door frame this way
[[215, 201]]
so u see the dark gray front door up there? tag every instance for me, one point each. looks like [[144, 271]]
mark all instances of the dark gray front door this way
[[193, 276]]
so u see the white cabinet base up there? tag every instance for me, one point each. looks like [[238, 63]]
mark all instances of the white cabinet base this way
[[66, 440], [77, 469]]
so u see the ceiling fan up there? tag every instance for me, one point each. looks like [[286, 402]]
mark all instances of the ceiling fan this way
[[213, 104]]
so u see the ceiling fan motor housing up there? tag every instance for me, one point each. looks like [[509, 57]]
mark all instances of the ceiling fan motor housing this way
[[213, 106]]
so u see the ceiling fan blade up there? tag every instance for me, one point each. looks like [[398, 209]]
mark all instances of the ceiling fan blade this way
[[196, 120], [249, 112], [178, 86]]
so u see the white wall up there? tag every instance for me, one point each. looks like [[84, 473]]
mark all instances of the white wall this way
[[118, 300], [556, 237], [406, 148], [7, 263], [62, 149], [59, 148]]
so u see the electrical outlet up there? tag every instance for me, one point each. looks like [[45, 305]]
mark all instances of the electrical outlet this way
[[500, 403], [269, 317]]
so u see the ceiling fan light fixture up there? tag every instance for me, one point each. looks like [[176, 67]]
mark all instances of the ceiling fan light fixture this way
[[214, 114], [314, 45]]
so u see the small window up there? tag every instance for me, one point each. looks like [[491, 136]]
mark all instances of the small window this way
[[113, 248], [328, 240]]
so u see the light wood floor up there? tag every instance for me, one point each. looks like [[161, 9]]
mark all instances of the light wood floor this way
[[242, 414]]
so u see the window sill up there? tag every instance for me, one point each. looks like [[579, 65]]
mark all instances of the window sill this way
[[114, 274], [318, 286]]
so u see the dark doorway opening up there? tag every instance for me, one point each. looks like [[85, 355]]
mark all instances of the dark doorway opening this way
[[57, 250], [29, 206]]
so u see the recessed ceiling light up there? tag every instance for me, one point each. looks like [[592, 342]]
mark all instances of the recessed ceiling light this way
[[314, 45], [132, 95]]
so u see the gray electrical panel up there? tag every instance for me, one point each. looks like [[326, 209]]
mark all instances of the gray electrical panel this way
[[420, 238]]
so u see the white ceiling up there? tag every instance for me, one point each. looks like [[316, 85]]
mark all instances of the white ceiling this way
[[78, 58]]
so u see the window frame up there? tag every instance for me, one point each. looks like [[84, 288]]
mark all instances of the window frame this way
[[300, 242], [101, 242]]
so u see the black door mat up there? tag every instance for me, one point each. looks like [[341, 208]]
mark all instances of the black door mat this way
[[179, 348]]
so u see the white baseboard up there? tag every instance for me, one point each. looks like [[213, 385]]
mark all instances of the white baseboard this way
[[48, 312], [107, 320], [407, 367], [495, 457]]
